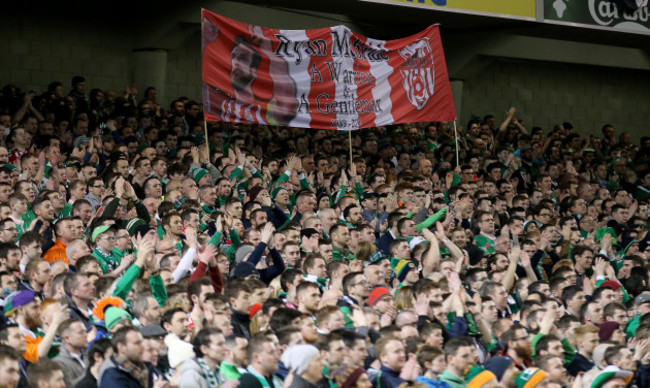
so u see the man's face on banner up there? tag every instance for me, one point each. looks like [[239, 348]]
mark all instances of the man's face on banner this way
[[244, 70]]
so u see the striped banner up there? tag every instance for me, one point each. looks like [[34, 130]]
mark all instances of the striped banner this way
[[329, 78]]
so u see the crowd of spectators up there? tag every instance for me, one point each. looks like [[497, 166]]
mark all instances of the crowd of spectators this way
[[131, 256]]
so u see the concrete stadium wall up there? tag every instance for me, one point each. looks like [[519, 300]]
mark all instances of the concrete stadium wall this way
[[547, 93], [35, 51]]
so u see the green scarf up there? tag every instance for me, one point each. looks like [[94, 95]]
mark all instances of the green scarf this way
[[210, 376]]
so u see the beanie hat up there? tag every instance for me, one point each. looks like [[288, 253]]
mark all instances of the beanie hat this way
[[198, 173], [254, 191], [253, 310], [611, 283], [475, 254], [377, 294], [114, 315], [178, 350], [530, 377], [142, 230], [478, 376], [608, 373], [244, 269], [99, 230], [297, 358], [606, 329], [498, 365], [133, 224], [242, 251], [10, 166], [275, 191], [402, 269], [347, 375]]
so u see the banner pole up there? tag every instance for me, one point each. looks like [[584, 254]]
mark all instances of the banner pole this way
[[457, 145], [350, 140], [207, 141]]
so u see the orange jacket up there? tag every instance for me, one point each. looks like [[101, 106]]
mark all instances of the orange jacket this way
[[57, 252]]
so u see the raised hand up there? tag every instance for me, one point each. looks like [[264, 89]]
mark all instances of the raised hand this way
[[267, 232], [190, 237], [207, 254]]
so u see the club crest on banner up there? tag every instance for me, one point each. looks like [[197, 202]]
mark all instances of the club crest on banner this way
[[418, 75]]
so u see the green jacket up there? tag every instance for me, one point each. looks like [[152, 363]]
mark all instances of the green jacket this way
[[452, 379], [339, 254], [229, 371], [132, 274]]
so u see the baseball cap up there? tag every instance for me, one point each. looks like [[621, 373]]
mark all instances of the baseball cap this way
[[641, 299], [22, 298], [99, 230], [611, 283], [152, 330]]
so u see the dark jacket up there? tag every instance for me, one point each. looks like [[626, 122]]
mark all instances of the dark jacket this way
[[641, 376], [386, 378], [271, 272], [24, 285], [77, 314], [89, 381], [299, 382], [383, 244], [579, 364], [241, 324], [112, 375]]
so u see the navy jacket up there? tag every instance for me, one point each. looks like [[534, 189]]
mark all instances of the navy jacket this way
[[386, 378], [115, 376], [383, 244], [579, 364]]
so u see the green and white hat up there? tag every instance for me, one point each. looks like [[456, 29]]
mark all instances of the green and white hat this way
[[611, 372]]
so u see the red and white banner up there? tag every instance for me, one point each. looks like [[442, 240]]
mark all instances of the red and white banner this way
[[327, 78]]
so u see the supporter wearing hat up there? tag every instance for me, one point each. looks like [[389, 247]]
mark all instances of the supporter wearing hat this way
[[104, 239], [503, 368], [612, 377], [306, 364], [200, 176], [479, 377], [349, 376], [24, 306], [406, 273], [642, 303], [115, 318], [530, 378], [377, 295], [611, 331]]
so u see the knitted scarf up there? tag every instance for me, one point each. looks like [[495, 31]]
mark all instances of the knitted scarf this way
[[139, 372], [210, 376]]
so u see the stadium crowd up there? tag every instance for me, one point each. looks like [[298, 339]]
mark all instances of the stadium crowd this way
[[132, 257]]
